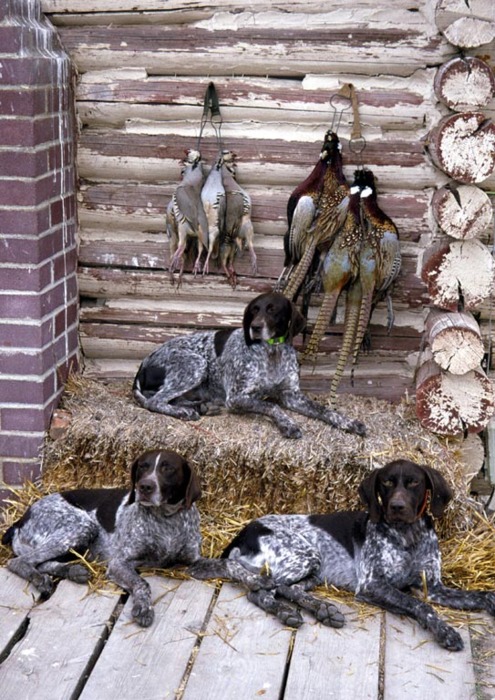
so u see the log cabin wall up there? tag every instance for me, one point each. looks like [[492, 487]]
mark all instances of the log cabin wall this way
[[143, 68]]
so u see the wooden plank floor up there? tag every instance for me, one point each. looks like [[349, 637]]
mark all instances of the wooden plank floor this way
[[212, 644]]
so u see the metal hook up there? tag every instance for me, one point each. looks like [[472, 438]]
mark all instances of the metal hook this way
[[357, 146], [345, 104]]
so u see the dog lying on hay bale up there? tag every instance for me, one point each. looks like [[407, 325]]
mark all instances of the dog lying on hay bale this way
[[380, 554], [252, 369]]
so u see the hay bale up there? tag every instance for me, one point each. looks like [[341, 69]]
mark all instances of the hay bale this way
[[247, 468], [243, 461]]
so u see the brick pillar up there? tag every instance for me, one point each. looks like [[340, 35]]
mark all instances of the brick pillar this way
[[38, 288]]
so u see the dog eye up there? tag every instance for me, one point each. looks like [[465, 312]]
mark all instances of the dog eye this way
[[412, 484], [388, 482]]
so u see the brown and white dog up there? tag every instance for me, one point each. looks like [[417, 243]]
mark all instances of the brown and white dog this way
[[252, 369], [154, 524]]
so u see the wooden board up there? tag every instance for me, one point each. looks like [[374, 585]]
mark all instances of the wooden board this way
[[349, 657], [414, 662], [151, 662], [17, 597], [63, 636], [243, 653]]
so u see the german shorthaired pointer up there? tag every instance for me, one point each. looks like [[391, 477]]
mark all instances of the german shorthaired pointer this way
[[380, 555], [153, 524], [252, 369]]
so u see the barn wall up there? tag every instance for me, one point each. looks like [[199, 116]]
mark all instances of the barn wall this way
[[143, 71]]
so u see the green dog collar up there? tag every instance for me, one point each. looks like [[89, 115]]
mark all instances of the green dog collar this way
[[277, 341]]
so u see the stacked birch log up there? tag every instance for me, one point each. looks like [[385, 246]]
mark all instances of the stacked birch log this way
[[453, 393]]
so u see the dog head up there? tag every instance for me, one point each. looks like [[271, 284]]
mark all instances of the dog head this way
[[398, 492], [273, 318], [163, 478]]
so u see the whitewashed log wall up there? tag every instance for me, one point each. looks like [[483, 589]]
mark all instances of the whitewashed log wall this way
[[143, 67]]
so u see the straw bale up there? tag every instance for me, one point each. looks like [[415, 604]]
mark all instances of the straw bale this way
[[247, 468]]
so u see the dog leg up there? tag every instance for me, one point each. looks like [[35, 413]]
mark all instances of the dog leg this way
[[393, 600], [266, 600], [299, 403], [324, 611], [124, 574], [462, 600], [249, 404], [182, 373], [73, 572], [228, 569]]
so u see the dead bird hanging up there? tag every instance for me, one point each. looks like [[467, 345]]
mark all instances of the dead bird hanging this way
[[356, 243], [210, 217], [186, 218], [331, 202]]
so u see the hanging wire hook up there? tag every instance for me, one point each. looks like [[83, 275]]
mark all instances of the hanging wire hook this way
[[345, 104], [211, 113]]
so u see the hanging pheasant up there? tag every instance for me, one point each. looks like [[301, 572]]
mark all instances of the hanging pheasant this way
[[301, 212], [238, 232], [339, 267], [379, 264], [186, 218], [331, 212]]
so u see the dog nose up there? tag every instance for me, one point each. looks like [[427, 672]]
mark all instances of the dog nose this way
[[397, 507], [146, 487]]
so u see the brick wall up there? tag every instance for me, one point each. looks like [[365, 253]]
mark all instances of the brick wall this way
[[38, 288]]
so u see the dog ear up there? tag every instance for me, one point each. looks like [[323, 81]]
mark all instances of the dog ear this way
[[246, 322], [441, 493], [132, 495], [193, 490], [297, 321], [369, 497]]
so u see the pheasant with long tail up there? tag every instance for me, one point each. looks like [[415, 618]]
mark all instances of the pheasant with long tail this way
[[331, 211], [339, 267], [379, 265]]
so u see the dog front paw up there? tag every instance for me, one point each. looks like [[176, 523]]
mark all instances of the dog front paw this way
[[143, 613], [356, 427], [329, 615], [291, 430], [449, 638]]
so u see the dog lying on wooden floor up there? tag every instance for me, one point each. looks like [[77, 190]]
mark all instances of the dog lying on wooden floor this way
[[380, 555], [253, 369], [154, 524]]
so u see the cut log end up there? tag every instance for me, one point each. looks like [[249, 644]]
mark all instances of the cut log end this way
[[453, 405], [462, 212], [464, 84], [463, 147]]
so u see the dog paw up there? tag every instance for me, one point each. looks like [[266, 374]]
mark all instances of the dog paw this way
[[449, 638], [45, 585], [78, 573], [143, 613], [357, 428], [291, 430], [329, 615], [289, 616]]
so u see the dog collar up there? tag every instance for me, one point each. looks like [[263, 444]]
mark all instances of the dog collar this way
[[424, 506], [277, 341]]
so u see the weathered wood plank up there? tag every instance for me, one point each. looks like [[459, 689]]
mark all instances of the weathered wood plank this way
[[343, 664], [482, 630], [414, 662], [323, 48], [17, 598], [64, 635], [152, 661], [243, 653], [386, 104]]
